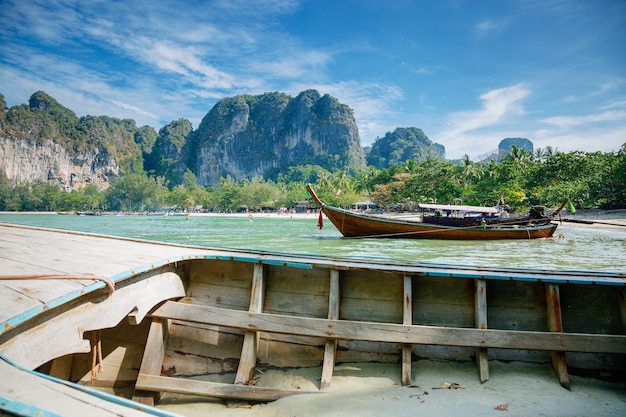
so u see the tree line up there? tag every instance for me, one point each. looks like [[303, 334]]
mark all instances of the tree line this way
[[520, 179]]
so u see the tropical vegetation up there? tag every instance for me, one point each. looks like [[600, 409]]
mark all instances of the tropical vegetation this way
[[520, 179]]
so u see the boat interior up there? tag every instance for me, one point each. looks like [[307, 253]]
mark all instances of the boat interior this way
[[213, 326]]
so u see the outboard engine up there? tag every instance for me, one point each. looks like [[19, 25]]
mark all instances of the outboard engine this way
[[537, 212]]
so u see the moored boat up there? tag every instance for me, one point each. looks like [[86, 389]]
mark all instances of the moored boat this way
[[353, 224]]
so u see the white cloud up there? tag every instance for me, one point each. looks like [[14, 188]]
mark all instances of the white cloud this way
[[497, 106], [567, 122], [486, 27]]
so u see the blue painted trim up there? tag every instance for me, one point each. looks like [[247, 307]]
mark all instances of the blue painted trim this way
[[22, 409], [276, 262], [35, 311], [433, 270], [90, 391]]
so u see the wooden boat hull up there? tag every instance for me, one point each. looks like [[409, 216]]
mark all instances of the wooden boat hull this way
[[293, 310], [355, 225], [228, 316]]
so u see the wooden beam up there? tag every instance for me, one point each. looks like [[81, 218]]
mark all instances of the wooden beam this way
[[480, 306], [394, 333], [63, 333], [152, 360], [407, 318], [245, 371], [555, 324], [622, 305], [213, 389], [330, 348]]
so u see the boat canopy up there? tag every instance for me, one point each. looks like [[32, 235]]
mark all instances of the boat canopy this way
[[449, 207], [364, 205]]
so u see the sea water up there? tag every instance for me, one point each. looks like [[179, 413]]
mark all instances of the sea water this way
[[574, 247]]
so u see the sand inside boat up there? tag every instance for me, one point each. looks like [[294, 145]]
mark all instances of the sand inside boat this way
[[372, 389]]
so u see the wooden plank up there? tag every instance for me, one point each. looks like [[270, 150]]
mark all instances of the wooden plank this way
[[407, 318], [27, 393], [214, 389], [371, 295], [331, 344], [591, 308], [443, 302], [123, 348], [296, 291], [395, 333], [482, 357], [152, 361], [555, 324], [622, 306], [62, 334], [245, 371]]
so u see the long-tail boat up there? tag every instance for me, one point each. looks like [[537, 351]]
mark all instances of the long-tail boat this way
[[215, 322], [353, 224]]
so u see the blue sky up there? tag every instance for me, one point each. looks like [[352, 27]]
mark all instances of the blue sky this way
[[467, 72]]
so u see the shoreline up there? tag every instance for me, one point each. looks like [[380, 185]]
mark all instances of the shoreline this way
[[615, 221]]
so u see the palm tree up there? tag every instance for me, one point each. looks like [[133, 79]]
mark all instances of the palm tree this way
[[540, 154], [520, 158], [410, 166], [471, 170], [551, 152], [342, 181], [492, 169], [324, 180], [361, 183]]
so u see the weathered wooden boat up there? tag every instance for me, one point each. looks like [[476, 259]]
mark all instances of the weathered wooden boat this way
[[352, 224], [209, 324]]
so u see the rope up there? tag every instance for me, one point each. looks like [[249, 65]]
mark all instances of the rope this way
[[96, 350], [78, 277]]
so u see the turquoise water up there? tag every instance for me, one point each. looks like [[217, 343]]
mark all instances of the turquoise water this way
[[579, 248]]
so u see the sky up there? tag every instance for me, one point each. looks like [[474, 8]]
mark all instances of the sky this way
[[469, 73]]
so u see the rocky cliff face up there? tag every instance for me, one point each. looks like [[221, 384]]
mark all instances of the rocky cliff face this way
[[24, 160], [253, 136], [45, 141], [242, 137]]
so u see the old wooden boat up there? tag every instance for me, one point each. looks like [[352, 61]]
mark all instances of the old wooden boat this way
[[213, 323], [359, 225]]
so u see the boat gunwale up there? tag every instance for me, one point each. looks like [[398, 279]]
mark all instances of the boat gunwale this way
[[311, 261]]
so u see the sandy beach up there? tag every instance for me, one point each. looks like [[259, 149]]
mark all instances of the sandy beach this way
[[515, 389]]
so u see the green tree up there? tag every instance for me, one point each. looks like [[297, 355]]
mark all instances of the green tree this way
[[136, 192]]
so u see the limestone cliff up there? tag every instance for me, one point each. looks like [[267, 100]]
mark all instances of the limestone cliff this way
[[45, 141], [242, 137], [256, 136], [25, 160]]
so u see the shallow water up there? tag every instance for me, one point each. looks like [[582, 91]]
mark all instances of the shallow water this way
[[578, 248]]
